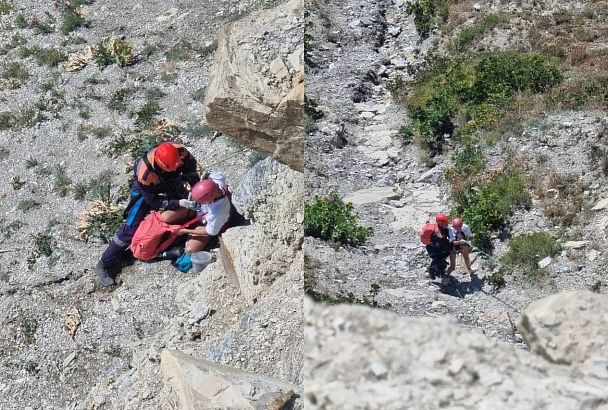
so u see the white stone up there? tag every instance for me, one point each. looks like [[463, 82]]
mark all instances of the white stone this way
[[371, 195], [593, 254], [543, 263], [600, 205], [575, 244]]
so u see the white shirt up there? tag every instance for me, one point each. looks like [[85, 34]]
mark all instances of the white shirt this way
[[216, 213], [464, 233]]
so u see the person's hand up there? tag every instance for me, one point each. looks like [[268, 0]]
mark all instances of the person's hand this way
[[182, 231], [184, 203]]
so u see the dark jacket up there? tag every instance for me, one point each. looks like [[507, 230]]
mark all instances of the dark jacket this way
[[159, 187], [442, 243]]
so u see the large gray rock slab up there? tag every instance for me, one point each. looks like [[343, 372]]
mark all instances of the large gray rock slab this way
[[258, 97], [272, 196], [363, 358], [569, 328], [202, 384]]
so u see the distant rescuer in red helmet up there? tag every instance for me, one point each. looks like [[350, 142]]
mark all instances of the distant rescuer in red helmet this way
[[438, 246], [157, 178], [213, 201]]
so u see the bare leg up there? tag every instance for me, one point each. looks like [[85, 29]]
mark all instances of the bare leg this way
[[198, 243], [467, 262], [175, 216], [452, 263]]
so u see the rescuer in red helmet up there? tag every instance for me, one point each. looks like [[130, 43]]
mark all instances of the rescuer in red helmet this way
[[157, 176]]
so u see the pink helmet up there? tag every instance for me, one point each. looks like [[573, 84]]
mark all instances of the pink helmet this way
[[203, 191], [457, 223]]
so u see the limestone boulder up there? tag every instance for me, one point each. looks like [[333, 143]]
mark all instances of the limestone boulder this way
[[256, 255], [202, 384], [256, 94], [361, 358], [569, 328]]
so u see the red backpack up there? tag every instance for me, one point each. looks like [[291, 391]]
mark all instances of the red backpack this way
[[154, 236], [426, 235]]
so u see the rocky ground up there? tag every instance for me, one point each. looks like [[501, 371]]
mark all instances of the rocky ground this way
[[356, 52], [65, 342]]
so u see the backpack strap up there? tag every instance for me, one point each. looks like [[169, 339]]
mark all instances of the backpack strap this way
[[174, 232], [190, 222], [149, 166]]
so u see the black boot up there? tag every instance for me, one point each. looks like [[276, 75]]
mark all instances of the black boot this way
[[171, 253], [103, 275]]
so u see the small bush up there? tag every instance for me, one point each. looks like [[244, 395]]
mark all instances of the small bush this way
[[97, 189], [100, 221], [14, 70], [118, 100], [145, 114], [331, 219], [486, 205], [467, 35], [17, 183], [41, 27], [31, 163], [179, 52], [113, 51], [5, 7], [526, 250], [428, 14], [20, 21], [28, 330], [406, 134], [72, 19], [496, 279], [136, 145], [26, 205], [61, 181], [50, 57]]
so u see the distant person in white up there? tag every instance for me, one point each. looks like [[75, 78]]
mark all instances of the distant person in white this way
[[459, 234]]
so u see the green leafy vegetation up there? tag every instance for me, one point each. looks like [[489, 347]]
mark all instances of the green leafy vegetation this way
[[487, 203], [113, 51], [134, 145], [118, 100], [72, 19], [330, 218], [17, 183], [181, 51], [468, 34], [526, 250], [20, 21], [428, 14], [99, 188], [61, 181], [464, 96], [14, 70], [51, 57], [496, 279], [28, 330], [5, 7], [101, 221]]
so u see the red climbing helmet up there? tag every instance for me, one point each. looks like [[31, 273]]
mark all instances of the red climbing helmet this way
[[457, 223], [167, 157], [441, 219], [203, 191]]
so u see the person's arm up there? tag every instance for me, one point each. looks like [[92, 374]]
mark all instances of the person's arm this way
[[198, 231]]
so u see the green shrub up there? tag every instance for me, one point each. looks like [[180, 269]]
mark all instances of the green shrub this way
[[72, 19], [15, 70], [526, 250], [487, 205], [101, 221], [28, 329], [406, 134], [145, 114], [428, 14], [50, 57], [5, 7], [496, 279], [466, 36], [136, 145], [26, 205], [61, 181], [331, 219], [467, 95]]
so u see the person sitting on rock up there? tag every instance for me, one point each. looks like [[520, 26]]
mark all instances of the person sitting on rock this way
[[439, 247], [213, 200], [158, 178], [459, 235]]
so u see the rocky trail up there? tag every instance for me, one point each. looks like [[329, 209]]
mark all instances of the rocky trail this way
[[354, 150]]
